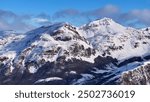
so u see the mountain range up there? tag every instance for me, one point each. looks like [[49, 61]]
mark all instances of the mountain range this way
[[101, 52]]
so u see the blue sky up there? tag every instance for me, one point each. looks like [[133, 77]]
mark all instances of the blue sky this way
[[23, 15]]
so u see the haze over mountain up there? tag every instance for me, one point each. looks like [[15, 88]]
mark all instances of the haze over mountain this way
[[99, 52]]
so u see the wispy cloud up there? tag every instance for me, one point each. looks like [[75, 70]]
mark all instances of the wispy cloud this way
[[10, 20], [137, 17], [66, 13], [41, 21], [106, 11]]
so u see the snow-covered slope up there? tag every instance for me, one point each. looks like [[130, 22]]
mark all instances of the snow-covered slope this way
[[112, 39], [95, 53], [45, 44]]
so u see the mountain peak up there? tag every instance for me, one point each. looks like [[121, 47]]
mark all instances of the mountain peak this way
[[104, 21], [49, 29], [105, 26], [56, 25], [60, 31]]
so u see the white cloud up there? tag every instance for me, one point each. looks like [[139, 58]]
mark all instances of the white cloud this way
[[40, 20], [11, 21], [139, 16]]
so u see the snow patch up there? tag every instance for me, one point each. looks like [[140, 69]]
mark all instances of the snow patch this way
[[32, 69], [49, 79]]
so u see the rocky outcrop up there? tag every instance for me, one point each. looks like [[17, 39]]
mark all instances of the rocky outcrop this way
[[138, 76]]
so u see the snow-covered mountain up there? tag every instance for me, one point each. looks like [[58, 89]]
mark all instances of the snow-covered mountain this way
[[111, 38], [96, 53]]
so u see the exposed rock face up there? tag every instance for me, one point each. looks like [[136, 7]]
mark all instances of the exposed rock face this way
[[138, 76], [73, 71]]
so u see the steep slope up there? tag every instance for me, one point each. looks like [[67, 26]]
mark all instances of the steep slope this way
[[8, 43]]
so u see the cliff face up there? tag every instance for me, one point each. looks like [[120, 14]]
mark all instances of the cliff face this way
[[138, 76]]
